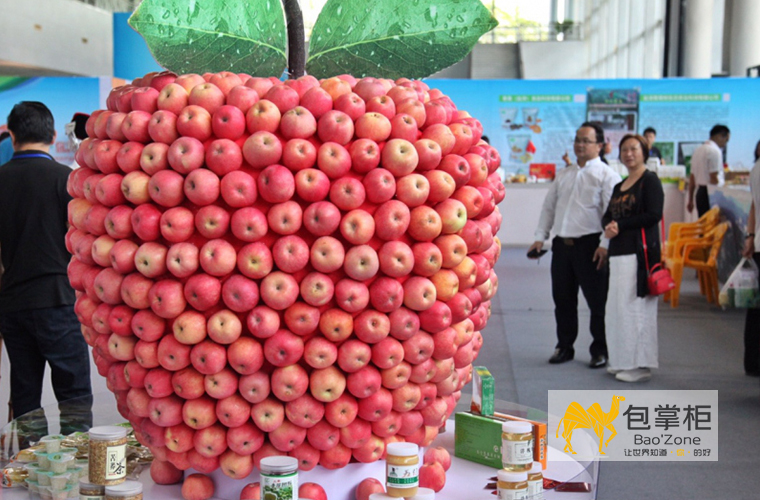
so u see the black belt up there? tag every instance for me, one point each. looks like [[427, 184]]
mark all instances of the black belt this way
[[572, 241]]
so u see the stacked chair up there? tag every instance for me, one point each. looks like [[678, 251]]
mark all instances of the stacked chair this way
[[695, 245]]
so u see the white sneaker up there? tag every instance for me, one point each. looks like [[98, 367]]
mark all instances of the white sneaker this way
[[614, 371], [635, 375]]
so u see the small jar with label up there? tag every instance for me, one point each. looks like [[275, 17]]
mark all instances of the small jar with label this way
[[512, 485], [128, 490], [279, 475], [536, 482], [424, 494], [517, 446], [108, 450], [402, 469], [88, 491]]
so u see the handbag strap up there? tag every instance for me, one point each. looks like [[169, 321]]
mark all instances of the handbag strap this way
[[644, 240]]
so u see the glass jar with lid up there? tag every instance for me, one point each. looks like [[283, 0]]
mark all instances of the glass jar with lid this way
[[107, 458], [517, 446], [279, 475], [128, 490], [402, 469]]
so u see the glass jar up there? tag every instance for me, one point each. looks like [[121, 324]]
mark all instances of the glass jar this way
[[108, 450], [517, 446], [127, 490], [536, 482], [279, 477], [512, 485], [88, 491], [402, 469], [424, 494]]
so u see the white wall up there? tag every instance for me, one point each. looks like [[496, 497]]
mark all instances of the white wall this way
[[55, 37], [553, 60]]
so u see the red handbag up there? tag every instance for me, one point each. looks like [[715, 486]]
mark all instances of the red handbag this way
[[659, 279]]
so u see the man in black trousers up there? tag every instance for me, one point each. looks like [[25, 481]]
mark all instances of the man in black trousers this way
[[706, 164], [572, 212], [37, 316]]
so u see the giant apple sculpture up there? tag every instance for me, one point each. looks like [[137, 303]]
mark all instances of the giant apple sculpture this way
[[266, 267]]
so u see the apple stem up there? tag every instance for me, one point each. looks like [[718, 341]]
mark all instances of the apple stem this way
[[296, 43]]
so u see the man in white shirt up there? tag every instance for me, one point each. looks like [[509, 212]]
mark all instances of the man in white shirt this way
[[706, 163], [573, 211]]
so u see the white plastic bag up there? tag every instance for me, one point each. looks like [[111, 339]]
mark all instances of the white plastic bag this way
[[741, 289]]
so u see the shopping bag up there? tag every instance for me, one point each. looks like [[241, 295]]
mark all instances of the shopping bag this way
[[741, 290]]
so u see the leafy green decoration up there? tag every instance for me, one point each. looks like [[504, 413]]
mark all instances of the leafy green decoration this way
[[394, 38], [194, 36]]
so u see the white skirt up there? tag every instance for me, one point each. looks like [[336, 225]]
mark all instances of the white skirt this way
[[631, 321]]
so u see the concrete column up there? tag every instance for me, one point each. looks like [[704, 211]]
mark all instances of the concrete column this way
[[697, 38], [745, 37]]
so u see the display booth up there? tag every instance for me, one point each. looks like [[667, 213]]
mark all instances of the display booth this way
[[569, 478]]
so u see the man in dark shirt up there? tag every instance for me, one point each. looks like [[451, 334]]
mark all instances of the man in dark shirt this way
[[650, 134], [37, 317]]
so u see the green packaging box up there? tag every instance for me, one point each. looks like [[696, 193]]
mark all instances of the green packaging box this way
[[482, 391], [477, 439]]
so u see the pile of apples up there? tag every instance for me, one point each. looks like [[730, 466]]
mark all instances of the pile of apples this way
[[267, 268]]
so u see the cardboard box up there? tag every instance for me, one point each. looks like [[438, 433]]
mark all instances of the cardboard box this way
[[478, 438], [482, 391]]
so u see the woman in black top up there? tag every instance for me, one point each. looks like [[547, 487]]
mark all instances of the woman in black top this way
[[631, 314]]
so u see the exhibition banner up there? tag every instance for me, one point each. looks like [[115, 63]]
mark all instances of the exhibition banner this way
[[534, 121], [530, 122], [635, 425], [63, 95]]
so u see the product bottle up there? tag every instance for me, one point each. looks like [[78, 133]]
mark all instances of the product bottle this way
[[279, 475], [517, 446], [512, 485], [128, 490], [89, 491], [402, 469], [536, 482], [108, 450]]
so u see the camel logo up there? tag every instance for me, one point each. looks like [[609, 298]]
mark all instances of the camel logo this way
[[594, 418]]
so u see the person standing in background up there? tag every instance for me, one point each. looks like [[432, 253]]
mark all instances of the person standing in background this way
[[76, 132], [37, 316], [631, 317], [572, 211], [650, 134], [752, 251], [706, 163]]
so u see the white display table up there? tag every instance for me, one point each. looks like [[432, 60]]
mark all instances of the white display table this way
[[465, 480]]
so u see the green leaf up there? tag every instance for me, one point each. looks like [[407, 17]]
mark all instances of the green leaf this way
[[394, 38], [194, 36]]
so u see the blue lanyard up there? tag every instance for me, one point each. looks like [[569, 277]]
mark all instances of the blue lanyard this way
[[31, 155]]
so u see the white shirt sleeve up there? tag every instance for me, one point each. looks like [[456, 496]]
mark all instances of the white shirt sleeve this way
[[546, 221], [608, 185], [714, 161]]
